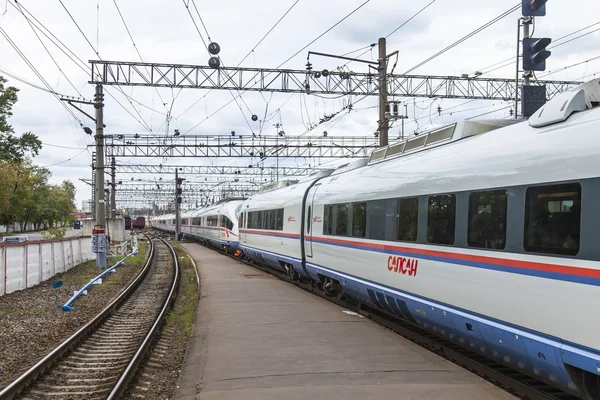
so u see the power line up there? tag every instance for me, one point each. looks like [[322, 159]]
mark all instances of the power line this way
[[35, 71], [410, 19], [51, 56], [466, 37], [511, 60], [136, 49], [201, 21], [22, 80], [187, 7], [64, 147], [77, 25], [324, 33], [250, 52], [64, 161], [145, 125], [288, 59]]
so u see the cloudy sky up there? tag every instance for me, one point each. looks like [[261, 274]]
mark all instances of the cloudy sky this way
[[163, 31]]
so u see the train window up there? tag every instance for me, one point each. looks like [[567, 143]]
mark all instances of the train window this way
[[377, 219], [226, 222], [441, 217], [260, 220], [553, 219], [487, 219], [308, 219], [279, 219], [408, 219], [241, 220], [341, 222], [328, 220], [212, 220], [359, 219]]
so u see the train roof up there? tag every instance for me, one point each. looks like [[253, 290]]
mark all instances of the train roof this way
[[559, 143]]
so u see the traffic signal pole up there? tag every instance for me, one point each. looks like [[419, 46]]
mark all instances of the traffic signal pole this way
[[534, 59]]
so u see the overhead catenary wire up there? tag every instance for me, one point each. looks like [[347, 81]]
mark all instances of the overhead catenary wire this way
[[466, 37], [136, 49], [64, 161], [411, 18], [288, 59], [510, 61], [250, 52], [51, 56], [144, 124], [36, 72]]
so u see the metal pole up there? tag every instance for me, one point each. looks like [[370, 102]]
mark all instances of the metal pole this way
[[177, 207], [100, 205], [517, 68], [383, 91], [113, 192], [526, 74]]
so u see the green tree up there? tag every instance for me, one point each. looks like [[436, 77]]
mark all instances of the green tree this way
[[13, 147]]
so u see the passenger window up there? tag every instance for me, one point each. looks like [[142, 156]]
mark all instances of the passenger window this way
[[487, 219], [441, 217], [341, 223], [408, 219], [377, 219], [308, 219], [279, 222], [359, 219], [553, 219], [328, 220]]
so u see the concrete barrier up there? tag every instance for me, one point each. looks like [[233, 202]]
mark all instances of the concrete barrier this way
[[23, 265]]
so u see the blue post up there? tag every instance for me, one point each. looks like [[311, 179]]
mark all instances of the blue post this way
[[67, 305], [57, 285]]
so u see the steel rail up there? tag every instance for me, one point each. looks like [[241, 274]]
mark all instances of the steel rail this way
[[133, 365], [45, 363]]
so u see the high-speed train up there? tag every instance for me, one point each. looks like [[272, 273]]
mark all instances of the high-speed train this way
[[483, 232], [216, 225]]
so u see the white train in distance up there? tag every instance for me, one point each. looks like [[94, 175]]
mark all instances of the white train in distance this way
[[483, 232]]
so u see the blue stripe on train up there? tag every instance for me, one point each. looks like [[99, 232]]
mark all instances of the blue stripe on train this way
[[534, 353]]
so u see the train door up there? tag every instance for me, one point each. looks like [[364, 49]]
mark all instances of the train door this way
[[243, 227], [309, 222]]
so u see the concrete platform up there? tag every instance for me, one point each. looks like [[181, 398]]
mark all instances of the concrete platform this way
[[256, 337]]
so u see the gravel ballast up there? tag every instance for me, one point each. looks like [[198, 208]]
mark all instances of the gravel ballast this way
[[30, 325], [157, 377]]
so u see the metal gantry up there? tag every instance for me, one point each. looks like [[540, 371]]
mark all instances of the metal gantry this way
[[238, 146], [309, 81], [244, 170]]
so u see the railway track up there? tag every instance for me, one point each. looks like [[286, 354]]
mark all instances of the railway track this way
[[511, 380], [99, 360]]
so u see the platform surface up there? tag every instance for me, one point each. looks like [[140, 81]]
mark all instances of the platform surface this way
[[256, 337]]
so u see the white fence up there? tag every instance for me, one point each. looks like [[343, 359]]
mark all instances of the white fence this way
[[23, 265]]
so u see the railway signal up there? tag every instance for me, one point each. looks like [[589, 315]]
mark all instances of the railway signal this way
[[533, 8], [535, 53]]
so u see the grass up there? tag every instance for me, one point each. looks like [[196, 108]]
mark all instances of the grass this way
[[83, 273], [182, 316]]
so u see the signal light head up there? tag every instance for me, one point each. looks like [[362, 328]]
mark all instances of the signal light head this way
[[535, 53], [533, 8]]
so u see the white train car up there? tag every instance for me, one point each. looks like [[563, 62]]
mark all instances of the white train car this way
[[216, 225], [483, 234], [165, 223], [270, 227]]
